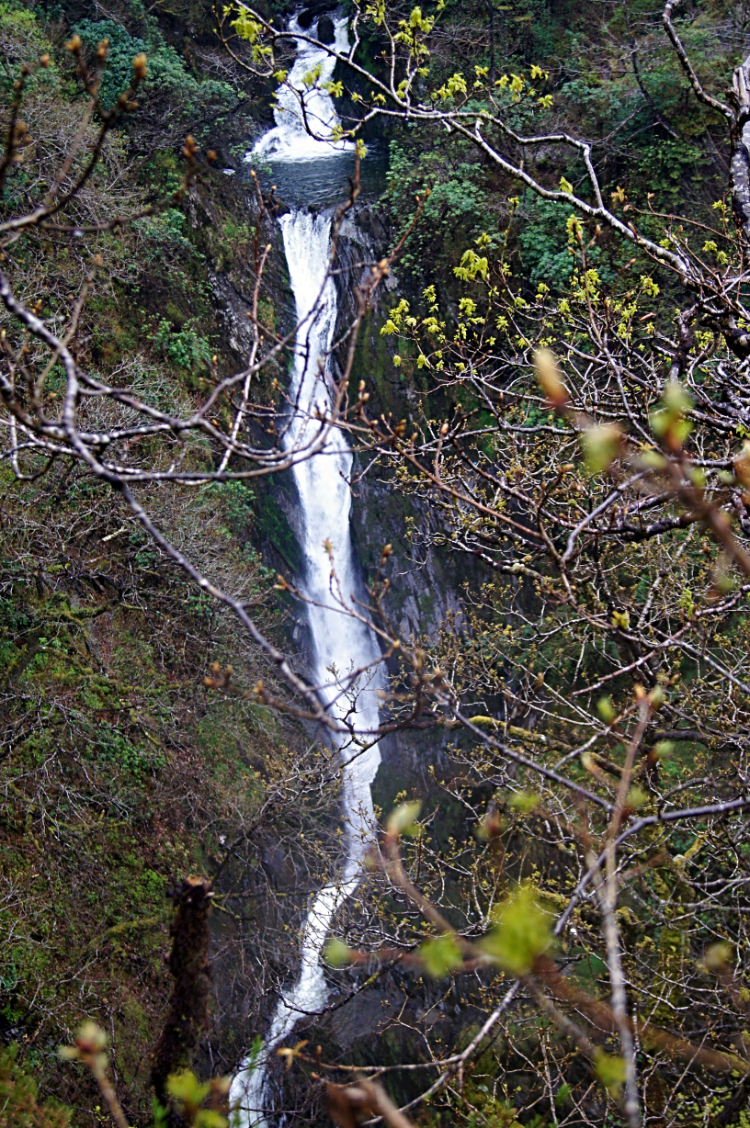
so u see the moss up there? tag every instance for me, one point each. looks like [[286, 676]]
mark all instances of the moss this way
[[117, 754], [373, 363], [274, 528]]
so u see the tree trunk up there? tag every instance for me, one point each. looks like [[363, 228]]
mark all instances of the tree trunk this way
[[188, 963]]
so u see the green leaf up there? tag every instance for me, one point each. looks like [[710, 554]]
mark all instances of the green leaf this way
[[652, 460], [523, 932], [601, 446], [635, 798], [610, 1071], [524, 801], [606, 710], [671, 423], [186, 1087], [440, 955], [403, 819], [562, 1094], [209, 1118], [336, 953], [718, 956]]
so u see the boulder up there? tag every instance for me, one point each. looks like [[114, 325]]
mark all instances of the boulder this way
[[326, 30]]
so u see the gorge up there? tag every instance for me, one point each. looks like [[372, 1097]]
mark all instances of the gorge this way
[[342, 644], [539, 489]]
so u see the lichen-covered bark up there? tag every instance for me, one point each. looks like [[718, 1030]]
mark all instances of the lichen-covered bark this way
[[740, 139]]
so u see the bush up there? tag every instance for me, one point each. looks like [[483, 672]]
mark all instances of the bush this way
[[19, 1102], [174, 99]]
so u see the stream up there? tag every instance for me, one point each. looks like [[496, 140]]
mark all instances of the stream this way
[[340, 643]]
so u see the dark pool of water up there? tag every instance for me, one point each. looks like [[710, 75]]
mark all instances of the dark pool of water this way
[[321, 183]]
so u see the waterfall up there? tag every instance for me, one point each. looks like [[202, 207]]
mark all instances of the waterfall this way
[[290, 140], [340, 643]]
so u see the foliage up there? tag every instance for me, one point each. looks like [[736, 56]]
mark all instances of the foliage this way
[[570, 416], [184, 347], [19, 1103], [175, 99], [457, 206]]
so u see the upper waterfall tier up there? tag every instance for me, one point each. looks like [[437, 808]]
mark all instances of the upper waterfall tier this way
[[297, 104]]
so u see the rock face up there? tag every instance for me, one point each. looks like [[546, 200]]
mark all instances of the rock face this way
[[308, 15], [326, 31]]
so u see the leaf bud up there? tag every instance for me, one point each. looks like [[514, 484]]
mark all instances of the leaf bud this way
[[336, 953], [606, 710], [74, 44], [402, 820], [91, 1038], [742, 466], [548, 375], [717, 956], [656, 697], [140, 68], [601, 446]]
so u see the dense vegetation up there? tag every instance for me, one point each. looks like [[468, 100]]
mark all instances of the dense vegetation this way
[[549, 415], [120, 770]]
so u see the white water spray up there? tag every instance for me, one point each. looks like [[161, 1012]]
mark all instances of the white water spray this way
[[290, 139], [340, 643]]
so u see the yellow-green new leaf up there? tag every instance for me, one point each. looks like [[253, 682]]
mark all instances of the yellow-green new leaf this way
[[610, 1070], [601, 446], [403, 818], [440, 956], [524, 801], [522, 933], [336, 953], [186, 1088]]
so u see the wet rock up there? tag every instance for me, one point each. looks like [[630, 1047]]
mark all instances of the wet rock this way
[[316, 8], [326, 30]]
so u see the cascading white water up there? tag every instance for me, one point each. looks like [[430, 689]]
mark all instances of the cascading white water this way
[[290, 139], [341, 643]]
